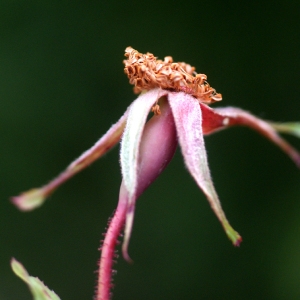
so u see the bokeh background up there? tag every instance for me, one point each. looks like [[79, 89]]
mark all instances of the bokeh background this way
[[62, 86]]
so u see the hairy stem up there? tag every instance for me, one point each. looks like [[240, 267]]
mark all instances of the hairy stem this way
[[108, 248]]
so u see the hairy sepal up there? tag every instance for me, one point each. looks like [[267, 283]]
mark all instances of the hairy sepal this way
[[38, 289], [188, 120], [36, 197], [236, 116]]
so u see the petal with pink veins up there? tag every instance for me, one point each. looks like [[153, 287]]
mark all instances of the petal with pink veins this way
[[188, 120]]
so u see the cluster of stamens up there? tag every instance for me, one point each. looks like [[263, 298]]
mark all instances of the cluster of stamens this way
[[145, 72]]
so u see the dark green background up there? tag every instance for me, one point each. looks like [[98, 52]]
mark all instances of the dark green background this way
[[62, 86]]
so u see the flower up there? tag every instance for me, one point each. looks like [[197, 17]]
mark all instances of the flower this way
[[179, 99]]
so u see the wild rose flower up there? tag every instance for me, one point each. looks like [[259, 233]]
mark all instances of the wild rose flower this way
[[179, 99]]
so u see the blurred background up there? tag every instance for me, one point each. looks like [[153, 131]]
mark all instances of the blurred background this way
[[62, 86]]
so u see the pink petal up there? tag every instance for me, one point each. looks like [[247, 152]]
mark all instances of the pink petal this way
[[36, 197], [129, 154], [188, 121], [156, 148], [211, 120]]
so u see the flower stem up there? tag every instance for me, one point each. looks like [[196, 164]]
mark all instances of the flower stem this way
[[108, 248]]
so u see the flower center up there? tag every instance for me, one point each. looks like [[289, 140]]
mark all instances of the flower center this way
[[145, 72]]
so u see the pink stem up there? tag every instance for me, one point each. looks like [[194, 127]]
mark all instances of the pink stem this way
[[108, 247]]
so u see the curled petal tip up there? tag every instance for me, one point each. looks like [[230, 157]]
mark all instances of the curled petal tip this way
[[297, 160], [125, 254], [238, 241], [127, 234], [234, 236], [29, 200]]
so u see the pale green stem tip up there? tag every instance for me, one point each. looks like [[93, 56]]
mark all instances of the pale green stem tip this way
[[234, 236], [30, 200], [290, 128]]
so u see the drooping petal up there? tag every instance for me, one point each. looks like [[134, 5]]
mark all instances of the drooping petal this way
[[156, 149], [188, 121], [35, 197], [38, 289], [234, 116]]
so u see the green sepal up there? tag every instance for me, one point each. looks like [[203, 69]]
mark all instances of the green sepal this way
[[38, 289]]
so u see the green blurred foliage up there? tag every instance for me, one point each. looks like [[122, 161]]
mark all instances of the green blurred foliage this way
[[62, 86]]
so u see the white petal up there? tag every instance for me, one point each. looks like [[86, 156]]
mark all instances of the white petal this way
[[131, 139]]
